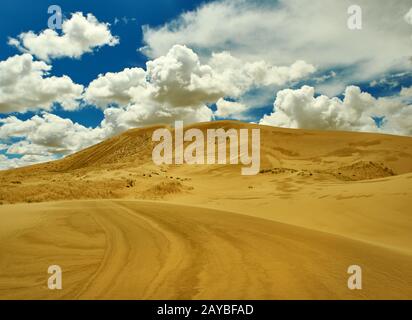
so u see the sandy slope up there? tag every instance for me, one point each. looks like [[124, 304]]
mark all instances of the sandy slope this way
[[135, 249], [122, 167], [322, 201], [375, 211]]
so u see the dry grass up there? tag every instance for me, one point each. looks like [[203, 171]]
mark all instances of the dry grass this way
[[164, 189]]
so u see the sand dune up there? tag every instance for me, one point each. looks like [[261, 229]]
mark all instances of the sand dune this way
[[375, 211], [322, 201], [148, 250], [122, 167]]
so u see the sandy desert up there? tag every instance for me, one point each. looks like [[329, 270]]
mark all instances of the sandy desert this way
[[121, 227]]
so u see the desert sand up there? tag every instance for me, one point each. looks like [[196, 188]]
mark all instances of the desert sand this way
[[123, 228]]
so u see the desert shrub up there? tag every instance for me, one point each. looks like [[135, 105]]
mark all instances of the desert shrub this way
[[130, 183]]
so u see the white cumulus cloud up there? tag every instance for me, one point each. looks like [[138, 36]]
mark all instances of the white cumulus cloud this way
[[227, 109], [117, 120], [47, 134], [179, 86], [179, 79], [282, 32], [115, 87], [80, 34], [300, 108], [26, 160], [25, 84]]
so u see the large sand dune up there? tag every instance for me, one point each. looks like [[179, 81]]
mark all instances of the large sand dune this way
[[121, 227]]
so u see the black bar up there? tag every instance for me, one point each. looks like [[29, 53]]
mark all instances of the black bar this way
[[210, 309]]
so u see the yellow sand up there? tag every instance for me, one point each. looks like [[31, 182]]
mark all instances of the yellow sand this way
[[121, 227]]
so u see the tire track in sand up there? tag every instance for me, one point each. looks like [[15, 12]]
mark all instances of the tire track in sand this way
[[155, 250], [159, 251]]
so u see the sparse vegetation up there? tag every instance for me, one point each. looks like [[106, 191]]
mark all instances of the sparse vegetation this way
[[163, 189], [130, 183]]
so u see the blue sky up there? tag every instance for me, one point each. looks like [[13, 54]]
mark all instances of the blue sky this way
[[23, 15], [281, 63]]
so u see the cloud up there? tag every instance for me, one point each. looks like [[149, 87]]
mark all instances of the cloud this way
[[178, 86], [301, 109], [43, 138], [26, 160], [285, 31], [115, 88], [117, 120], [237, 77], [406, 92], [408, 16], [25, 85], [227, 109], [80, 34], [47, 135], [179, 79]]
